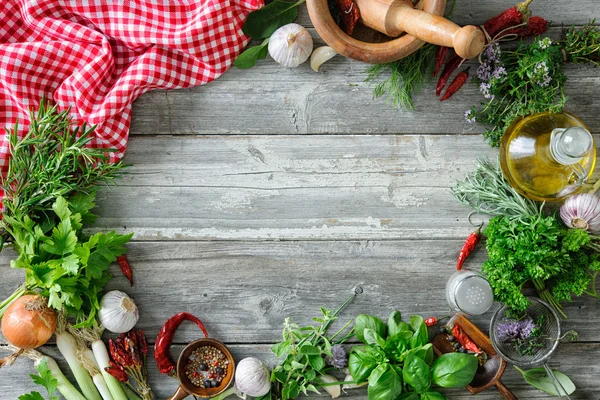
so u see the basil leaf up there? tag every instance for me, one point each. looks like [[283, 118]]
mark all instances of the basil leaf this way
[[396, 325], [371, 337], [362, 362], [432, 396], [397, 345], [363, 322], [251, 55], [408, 396], [420, 336], [423, 352], [262, 23], [539, 379], [454, 370], [416, 373], [384, 383]]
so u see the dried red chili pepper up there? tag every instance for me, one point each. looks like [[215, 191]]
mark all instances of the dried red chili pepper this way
[[117, 373], [349, 13], [453, 63], [125, 268], [464, 340], [431, 321], [143, 342], [535, 27], [468, 247], [456, 84], [440, 57], [166, 365], [507, 18]]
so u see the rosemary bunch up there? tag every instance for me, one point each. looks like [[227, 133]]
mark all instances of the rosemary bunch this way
[[52, 160], [487, 192]]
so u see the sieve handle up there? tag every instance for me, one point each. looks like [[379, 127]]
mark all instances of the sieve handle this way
[[555, 381], [505, 392]]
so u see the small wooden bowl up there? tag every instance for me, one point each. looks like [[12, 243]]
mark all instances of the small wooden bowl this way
[[186, 387], [373, 53]]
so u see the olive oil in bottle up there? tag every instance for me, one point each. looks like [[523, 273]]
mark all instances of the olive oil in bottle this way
[[547, 156]]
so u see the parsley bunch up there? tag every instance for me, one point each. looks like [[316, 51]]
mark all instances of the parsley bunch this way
[[538, 249], [60, 262]]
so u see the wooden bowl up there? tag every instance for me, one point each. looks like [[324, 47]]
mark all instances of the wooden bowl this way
[[186, 387], [369, 52]]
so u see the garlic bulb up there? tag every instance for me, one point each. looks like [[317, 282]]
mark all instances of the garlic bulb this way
[[118, 313], [321, 55], [582, 211], [252, 377], [290, 45]]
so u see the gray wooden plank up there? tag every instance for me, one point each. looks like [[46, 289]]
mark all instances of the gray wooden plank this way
[[573, 359], [292, 187], [244, 290], [269, 99]]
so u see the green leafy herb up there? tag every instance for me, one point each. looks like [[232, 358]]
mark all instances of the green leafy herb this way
[[303, 349], [538, 378], [405, 77], [540, 250], [488, 192], [52, 160], [400, 364], [261, 23], [44, 379], [251, 55], [65, 266], [581, 45]]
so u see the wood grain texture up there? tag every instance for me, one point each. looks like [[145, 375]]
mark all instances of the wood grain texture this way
[[270, 99], [577, 359]]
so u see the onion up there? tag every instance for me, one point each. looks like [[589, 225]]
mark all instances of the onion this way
[[582, 211], [28, 322]]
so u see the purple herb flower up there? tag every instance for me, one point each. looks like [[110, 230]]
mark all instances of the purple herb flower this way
[[499, 72], [541, 74], [526, 327], [338, 358], [508, 331], [470, 116]]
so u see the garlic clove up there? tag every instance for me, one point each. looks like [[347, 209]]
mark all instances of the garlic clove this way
[[334, 390], [349, 378], [320, 55]]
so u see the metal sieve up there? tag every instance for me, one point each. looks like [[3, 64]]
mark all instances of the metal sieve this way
[[550, 330]]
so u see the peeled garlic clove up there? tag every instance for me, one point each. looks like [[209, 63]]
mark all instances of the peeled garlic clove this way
[[349, 378], [334, 390], [290, 45], [320, 55]]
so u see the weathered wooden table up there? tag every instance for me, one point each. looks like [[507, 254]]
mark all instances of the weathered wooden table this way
[[271, 192]]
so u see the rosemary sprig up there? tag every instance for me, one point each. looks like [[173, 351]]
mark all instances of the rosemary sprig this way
[[52, 160], [488, 192]]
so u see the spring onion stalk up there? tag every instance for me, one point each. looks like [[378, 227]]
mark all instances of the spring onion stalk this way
[[67, 345], [131, 395], [66, 389], [86, 358], [93, 336]]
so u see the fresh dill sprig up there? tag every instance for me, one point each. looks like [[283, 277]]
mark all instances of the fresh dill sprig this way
[[52, 160], [406, 76]]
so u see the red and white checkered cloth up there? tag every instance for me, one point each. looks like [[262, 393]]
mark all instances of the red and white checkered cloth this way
[[97, 56]]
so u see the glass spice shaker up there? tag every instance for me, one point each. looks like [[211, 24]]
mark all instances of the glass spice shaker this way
[[468, 292]]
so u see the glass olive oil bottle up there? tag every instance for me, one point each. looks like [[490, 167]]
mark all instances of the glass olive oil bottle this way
[[546, 156]]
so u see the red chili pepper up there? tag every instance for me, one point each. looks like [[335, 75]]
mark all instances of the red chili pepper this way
[[166, 365], [456, 84], [453, 63], [464, 340], [535, 27], [440, 57], [468, 247], [143, 342], [507, 18], [349, 13], [117, 373], [125, 268], [431, 321]]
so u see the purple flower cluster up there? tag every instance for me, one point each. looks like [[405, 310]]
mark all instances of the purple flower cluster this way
[[338, 359], [515, 330], [541, 74], [490, 69], [470, 116]]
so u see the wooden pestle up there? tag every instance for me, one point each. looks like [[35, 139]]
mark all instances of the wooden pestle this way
[[393, 17]]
